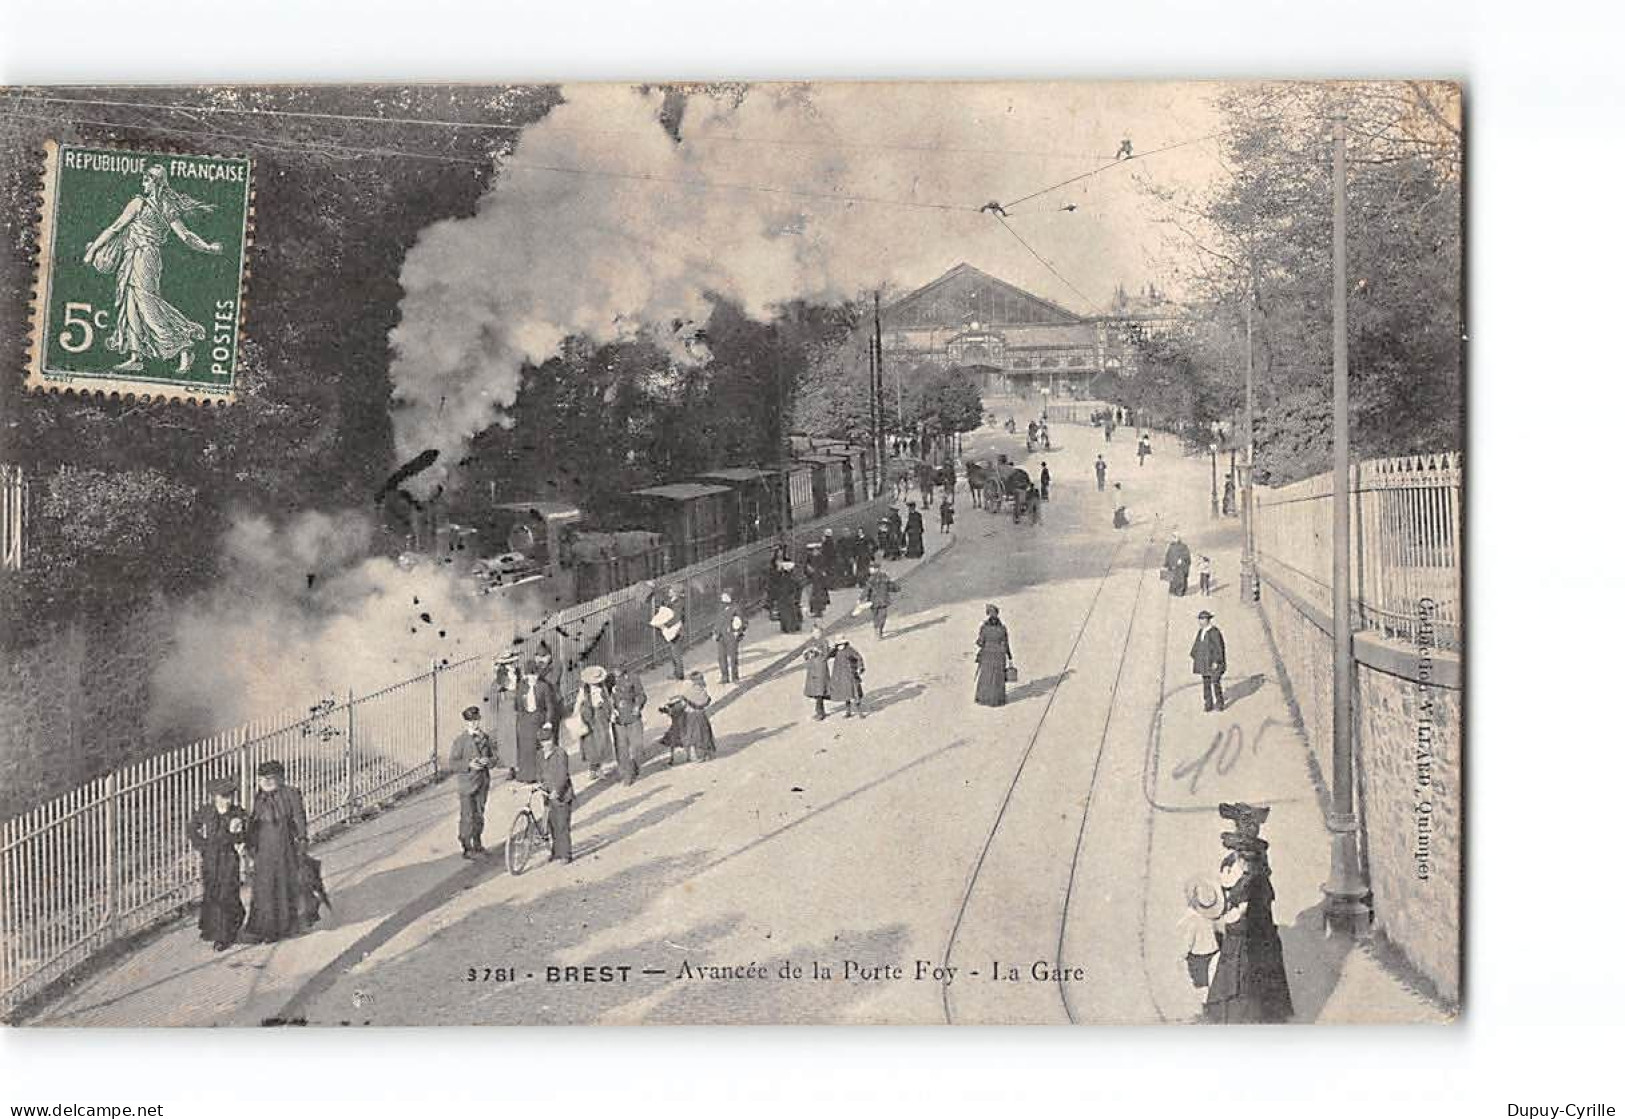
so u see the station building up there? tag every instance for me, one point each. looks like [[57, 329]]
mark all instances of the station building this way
[[1027, 343]]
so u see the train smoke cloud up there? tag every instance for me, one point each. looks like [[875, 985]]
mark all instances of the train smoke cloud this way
[[772, 193], [302, 613]]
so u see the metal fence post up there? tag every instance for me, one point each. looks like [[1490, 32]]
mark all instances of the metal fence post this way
[[115, 890], [349, 759], [434, 719]]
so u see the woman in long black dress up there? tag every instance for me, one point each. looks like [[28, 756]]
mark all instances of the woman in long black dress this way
[[992, 656], [217, 831], [1249, 979], [536, 703], [277, 837], [915, 533]]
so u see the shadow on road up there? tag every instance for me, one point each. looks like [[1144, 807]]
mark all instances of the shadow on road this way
[[1314, 962]]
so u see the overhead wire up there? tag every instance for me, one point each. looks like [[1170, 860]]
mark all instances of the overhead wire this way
[[561, 169]]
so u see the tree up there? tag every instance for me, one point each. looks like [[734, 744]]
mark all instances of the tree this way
[[1264, 235]]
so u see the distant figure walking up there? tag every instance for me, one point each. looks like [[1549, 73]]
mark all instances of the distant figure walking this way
[[1043, 482], [1176, 565], [627, 699], [914, 533], [1207, 661], [946, 514], [878, 594], [816, 684], [846, 677], [1205, 575], [1100, 473], [729, 632], [667, 620], [1119, 506], [993, 659], [278, 834], [595, 720], [1143, 448]]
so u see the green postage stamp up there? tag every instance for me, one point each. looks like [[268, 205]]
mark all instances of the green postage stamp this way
[[141, 264]]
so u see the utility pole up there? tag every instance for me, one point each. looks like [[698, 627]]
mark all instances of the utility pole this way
[[1249, 576], [880, 397], [1346, 907]]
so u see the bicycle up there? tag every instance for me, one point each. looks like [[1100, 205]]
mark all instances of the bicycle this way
[[526, 836]]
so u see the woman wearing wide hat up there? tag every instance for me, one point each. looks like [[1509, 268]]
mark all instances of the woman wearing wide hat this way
[[217, 831], [1249, 978], [277, 837], [595, 719]]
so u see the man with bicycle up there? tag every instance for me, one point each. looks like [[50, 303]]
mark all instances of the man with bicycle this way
[[558, 792]]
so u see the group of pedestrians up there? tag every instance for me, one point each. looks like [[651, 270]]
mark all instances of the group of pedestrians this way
[[1232, 946], [273, 837]]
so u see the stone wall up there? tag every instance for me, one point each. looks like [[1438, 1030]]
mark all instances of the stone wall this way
[[1408, 758]]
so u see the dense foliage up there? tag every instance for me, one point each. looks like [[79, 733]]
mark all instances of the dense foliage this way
[[1265, 232]]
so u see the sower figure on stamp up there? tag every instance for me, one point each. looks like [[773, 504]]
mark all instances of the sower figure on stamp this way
[[1207, 661], [133, 247], [217, 831], [470, 758]]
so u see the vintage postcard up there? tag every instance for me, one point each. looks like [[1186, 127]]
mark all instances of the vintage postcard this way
[[732, 553]]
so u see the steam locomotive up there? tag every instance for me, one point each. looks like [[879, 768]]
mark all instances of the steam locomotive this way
[[548, 547]]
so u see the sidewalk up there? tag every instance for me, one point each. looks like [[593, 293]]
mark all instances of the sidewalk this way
[[1253, 752], [384, 874]]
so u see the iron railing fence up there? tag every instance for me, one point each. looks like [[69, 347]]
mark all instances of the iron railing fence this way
[[110, 858], [1405, 539]]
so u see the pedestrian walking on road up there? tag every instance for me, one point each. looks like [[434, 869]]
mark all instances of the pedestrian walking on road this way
[[894, 534], [627, 698], [878, 594], [218, 832], [1100, 473], [863, 554], [667, 620], [816, 685], [594, 720], [500, 708], [1120, 506], [993, 660], [278, 836], [1207, 661], [1034, 505], [558, 794], [846, 677], [1205, 575], [1176, 566], [946, 514], [470, 758], [915, 533], [818, 596], [1043, 482], [729, 632], [697, 736], [1144, 448], [535, 702]]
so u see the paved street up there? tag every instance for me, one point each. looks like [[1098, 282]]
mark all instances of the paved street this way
[[923, 855]]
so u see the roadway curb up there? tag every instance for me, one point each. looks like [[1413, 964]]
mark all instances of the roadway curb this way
[[773, 668]]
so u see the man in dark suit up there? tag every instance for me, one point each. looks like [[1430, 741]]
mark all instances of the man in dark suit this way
[[471, 757], [878, 594], [1207, 661]]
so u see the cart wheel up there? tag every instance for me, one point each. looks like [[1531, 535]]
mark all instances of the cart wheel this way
[[521, 839]]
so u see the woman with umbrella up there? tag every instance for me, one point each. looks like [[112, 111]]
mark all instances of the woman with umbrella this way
[[993, 658]]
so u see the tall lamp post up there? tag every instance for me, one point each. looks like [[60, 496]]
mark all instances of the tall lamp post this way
[[1213, 459], [1347, 907], [1249, 577]]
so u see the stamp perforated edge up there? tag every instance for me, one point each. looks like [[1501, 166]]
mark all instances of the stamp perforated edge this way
[[108, 387]]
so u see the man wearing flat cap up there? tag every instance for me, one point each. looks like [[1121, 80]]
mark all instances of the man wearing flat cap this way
[[470, 759], [217, 831], [1207, 661]]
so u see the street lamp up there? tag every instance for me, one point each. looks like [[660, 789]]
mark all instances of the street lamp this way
[[1213, 458]]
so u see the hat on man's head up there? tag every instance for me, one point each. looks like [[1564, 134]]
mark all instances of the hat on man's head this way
[[222, 787], [271, 768], [1204, 616], [471, 714]]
